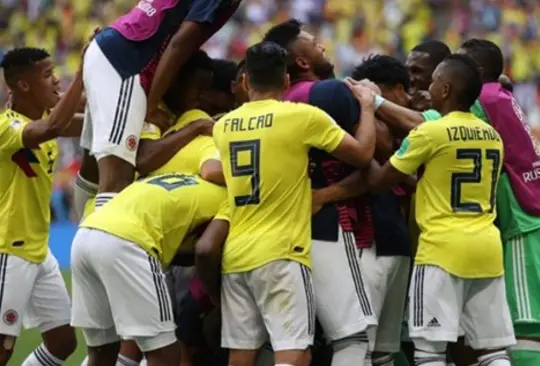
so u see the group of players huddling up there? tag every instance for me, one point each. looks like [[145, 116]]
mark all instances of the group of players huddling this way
[[293, 205]]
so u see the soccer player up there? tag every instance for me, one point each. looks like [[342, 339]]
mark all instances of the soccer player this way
[[128, 68], [341, 221], [518, 207], [32, 290], [117, 259], [387, 268], [221, 97], [457, 278], [264, 148], [422, 61]]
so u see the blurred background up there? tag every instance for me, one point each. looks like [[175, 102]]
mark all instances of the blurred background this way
[[350, 29]]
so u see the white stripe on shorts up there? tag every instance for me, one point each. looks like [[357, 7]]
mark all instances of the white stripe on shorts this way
[[122, 110], [354, 265]]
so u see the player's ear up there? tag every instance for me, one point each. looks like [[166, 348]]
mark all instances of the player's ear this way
[[23, 85], [244, 82], [287, 81], [446, 90], [302, 63]]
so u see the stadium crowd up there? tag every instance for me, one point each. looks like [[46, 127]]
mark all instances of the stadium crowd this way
[[388, 216]]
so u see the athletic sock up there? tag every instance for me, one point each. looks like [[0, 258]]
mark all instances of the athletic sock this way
[[82, 192], [143, 362], [423, 358], [349, 351], [125, 361], [42, 357], [385, 360], [103, 198], [85, 361], [499, 358]]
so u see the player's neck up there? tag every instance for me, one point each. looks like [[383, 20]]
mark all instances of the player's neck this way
[[259, 96], [306, 76], [449, 109], [27, 109]]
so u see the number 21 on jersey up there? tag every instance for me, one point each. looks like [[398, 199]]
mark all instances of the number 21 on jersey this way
[[459, 181]]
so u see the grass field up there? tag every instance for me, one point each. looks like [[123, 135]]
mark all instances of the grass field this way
[[30, 339]]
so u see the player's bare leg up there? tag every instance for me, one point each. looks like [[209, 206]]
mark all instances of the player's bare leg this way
[[242, 357], [58, 344], [130, 353], [7, 343], [168, 355], [115, 174], [105, 355]]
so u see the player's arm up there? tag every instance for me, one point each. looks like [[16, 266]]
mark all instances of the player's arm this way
[[153, 154], [199, 25], [351, 186], [48, 128], [74, 128], [212, 171], [208, 251], [415, 150]]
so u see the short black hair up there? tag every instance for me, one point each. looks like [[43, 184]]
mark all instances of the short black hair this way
[[224, 75], [20, 60], [436, 50], [383, 70], [466, 74], [488, 55], [284, 34], [266, 66], [241, 67], [198, 61]]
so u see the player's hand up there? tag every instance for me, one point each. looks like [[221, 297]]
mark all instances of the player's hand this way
[[160, 119], [364, 82], [363, 94], [317, 200], [204, 126], [420, 101]]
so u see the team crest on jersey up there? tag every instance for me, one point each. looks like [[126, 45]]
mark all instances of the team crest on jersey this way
[[10, 317], [131, 143], [15, 124]]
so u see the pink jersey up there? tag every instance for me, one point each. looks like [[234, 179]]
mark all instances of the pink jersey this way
[[144, 20]]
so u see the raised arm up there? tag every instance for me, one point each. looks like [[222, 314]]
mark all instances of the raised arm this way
[[204, 18]]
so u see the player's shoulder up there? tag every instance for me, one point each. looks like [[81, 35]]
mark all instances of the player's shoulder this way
[[10, 119]]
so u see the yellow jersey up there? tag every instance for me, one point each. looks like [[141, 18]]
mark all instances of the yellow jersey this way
[[191, 157], [158, 213], [455, 197], [264, 148], [25, 190]]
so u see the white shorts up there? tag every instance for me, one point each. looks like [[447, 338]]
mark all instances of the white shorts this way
[[342, 296], [115, 110], [273, 302], [119, 291], [440, 302], [387, 278], [33, 295]]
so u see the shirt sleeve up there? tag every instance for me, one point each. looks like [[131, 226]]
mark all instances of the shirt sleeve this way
[[150, 132], [207, 150], [11, 135], [335, 98], [322, 132], [224, 212], [431, 115], [414, 151]]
